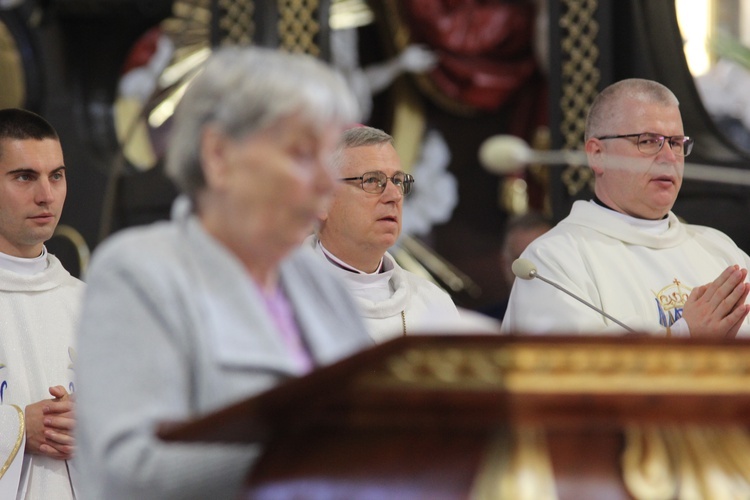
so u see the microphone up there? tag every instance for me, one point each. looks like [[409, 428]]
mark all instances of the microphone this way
[[526, 270], [508, 154]]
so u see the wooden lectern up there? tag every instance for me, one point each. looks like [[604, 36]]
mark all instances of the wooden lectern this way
[[493, 417]]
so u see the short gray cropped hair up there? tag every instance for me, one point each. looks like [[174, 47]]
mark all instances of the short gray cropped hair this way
[[604, 111], [356, 137], [243, 90]]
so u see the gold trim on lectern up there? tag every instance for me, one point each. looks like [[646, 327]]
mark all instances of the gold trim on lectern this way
[[551, 369]]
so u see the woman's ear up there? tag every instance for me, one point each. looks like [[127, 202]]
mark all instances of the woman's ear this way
[[214, 151]]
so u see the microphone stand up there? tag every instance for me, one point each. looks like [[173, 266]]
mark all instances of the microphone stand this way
[[534, 274]]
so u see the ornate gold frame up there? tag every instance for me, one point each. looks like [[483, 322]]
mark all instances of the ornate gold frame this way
[[579, 79]]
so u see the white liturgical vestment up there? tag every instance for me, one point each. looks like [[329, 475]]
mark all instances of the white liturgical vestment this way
[[38, 317], [639, 272], [394, 302]]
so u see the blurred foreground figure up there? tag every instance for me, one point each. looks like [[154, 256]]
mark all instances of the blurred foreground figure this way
[[187, 316], [39, 306], [625, 251]]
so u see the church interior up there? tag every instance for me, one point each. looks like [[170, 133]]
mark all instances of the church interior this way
[[442, 77], [107, 72]]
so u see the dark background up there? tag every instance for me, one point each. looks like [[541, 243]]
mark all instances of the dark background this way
[[73, 55]]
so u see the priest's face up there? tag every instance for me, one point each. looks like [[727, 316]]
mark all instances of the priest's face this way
[[32, 192], [629, 181], [359, 226]]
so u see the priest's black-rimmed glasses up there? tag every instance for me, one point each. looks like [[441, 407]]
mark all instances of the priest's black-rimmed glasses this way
[[375, 182], [649, 143]]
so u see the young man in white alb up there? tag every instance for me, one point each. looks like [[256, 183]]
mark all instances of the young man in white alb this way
[[39, 309]]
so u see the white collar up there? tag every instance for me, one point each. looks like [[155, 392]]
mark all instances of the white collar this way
[[24, 266], [659, 226], [340, 263]]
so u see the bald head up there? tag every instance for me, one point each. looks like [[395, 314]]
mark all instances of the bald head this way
[[606, 112]]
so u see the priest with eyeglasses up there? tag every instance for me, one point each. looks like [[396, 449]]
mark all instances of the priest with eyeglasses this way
[[625, 251], [361, 223]]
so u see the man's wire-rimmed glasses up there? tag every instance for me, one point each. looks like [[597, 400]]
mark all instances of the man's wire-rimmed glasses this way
[[649, 143], [374, 182]]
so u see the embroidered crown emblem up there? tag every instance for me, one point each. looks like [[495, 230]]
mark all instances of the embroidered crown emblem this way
[[670, 301], [673, 296]]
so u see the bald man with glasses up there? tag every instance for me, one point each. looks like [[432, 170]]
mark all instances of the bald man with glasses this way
[[362, 222], [625, 251]]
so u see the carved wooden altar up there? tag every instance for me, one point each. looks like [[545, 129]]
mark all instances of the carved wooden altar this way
[[504, 417]]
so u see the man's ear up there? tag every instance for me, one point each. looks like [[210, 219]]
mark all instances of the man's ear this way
[[213, 151], [595, 153]]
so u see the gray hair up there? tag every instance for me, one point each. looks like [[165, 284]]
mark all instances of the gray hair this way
[[605, 108], [356, 137], [243, 90]]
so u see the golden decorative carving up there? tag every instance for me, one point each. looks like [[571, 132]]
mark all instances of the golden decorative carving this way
[[298, 26], [190, 23], [686, 462], [658, 461], [517, 467], [236, 23], [579, 79], [561, 369]]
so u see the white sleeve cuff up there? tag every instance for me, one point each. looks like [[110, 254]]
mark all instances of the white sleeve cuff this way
[[680, 329]]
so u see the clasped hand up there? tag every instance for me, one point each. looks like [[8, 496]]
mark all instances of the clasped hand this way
[[50, 424], [717, 310]]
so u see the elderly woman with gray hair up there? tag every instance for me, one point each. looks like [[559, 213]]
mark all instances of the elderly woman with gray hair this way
[[220, 303]]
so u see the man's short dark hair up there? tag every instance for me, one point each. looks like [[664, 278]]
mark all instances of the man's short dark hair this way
[[22, 124]]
